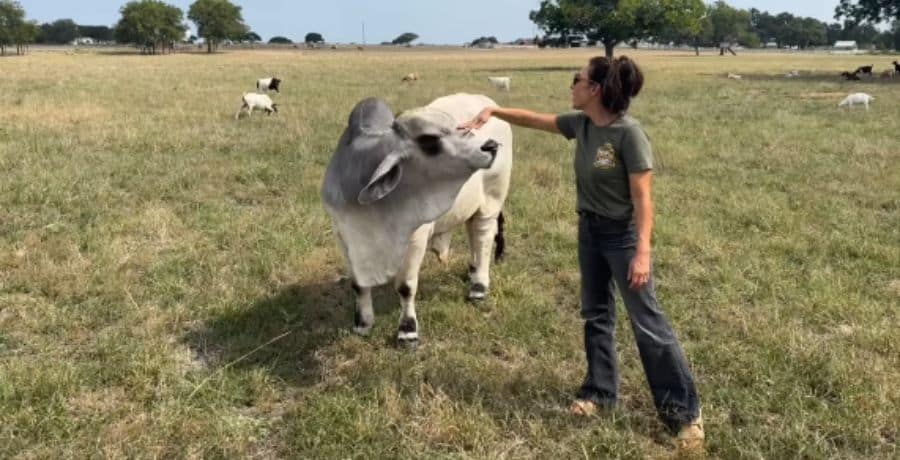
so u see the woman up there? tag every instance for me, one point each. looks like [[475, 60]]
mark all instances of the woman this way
[[613, 171]]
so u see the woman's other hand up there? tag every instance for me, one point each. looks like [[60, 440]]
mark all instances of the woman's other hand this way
[[639, 271]]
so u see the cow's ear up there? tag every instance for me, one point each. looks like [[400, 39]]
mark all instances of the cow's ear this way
[[384, 180]]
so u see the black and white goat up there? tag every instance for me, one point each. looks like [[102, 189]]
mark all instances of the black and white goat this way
[[268, 84]]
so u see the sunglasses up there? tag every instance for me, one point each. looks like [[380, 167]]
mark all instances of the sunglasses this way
[[578, 78]]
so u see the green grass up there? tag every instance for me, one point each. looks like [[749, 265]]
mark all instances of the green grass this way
[[169, 279]]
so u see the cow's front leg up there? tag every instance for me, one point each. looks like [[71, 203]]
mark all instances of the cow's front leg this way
[[481, 238], [364, 318], [406, 283]]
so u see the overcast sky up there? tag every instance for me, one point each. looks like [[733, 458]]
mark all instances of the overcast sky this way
[[448, 21]]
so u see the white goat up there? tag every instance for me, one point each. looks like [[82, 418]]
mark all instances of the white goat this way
[[410, 77], [500, 82], [734, 76], [251, 101], [857, 98]]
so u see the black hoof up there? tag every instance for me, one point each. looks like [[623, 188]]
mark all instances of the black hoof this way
[[408, 344], [477, 293]]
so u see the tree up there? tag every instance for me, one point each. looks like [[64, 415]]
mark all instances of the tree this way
[[14, 29], [478, 41], [313, 37], [217, 20], [868, 10], [404, 39], [99, 33], [615, 21], [60, 31], [280, 40], [550, 18], [151, 24], [252, 37], [728, 25]]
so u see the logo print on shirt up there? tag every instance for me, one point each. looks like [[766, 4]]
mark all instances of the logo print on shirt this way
[[606, 157]]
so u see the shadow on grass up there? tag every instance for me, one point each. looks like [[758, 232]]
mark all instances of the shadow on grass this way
[[530, 69], [281, 333]]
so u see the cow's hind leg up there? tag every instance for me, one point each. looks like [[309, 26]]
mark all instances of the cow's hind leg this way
[[481, 238], [365, 315], [407, 283]]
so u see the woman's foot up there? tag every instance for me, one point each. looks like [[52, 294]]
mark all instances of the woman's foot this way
[[690, 436], [584, 408]]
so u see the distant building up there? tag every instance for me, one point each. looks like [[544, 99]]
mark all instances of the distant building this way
[[845, 46], [771, 44]]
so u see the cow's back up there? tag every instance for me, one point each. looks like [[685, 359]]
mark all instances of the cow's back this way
[[486, 190]]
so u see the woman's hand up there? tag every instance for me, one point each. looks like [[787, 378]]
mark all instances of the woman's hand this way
[[478, 121], [639, 270]]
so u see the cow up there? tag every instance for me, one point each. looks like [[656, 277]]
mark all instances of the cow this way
[[398, 186]]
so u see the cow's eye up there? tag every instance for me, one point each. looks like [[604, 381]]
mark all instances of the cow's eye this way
[[429, 143]]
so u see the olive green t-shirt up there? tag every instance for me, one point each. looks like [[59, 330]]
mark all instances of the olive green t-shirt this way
[[604, 157]]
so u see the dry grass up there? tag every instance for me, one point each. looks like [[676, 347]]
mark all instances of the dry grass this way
[[150, 244]]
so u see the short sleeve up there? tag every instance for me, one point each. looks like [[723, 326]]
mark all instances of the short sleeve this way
[[636, 151], [568, 123]]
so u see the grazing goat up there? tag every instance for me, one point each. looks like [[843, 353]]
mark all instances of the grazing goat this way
[[856, 98], [268, 83], [734, 76], [850, 76], [410, 77], [887, 73], [251, 101], [896, 67], [866, 69], [792, 74], [500, 82]]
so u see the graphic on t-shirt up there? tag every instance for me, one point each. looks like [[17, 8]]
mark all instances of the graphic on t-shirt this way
[[606, 157]]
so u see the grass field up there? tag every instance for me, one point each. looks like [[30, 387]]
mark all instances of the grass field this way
[[169, 281]]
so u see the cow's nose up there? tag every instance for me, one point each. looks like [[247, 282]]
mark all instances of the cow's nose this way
[[490, 146]]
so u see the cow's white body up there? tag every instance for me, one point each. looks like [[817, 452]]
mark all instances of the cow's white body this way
[[387, 239]]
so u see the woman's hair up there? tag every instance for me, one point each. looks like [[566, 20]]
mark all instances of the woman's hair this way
[[620, 79]]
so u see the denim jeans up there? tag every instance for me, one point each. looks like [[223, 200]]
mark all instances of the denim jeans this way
[[605, 250]]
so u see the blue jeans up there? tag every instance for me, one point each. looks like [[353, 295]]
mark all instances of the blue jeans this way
[[605, 250]]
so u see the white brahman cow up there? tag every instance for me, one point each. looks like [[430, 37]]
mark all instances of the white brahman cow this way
[[396, 187]]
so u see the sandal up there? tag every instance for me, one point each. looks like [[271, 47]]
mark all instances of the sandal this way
[[584, 408]]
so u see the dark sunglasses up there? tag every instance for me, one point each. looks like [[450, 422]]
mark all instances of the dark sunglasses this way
[[578, 78]]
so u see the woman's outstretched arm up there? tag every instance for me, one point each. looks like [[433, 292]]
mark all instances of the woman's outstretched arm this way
[[518, 117]]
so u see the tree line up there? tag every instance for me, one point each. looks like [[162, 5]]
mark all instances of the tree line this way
[[156, 26], [694, 23]]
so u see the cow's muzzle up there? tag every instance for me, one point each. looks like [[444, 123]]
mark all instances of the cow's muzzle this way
[[490, 146]]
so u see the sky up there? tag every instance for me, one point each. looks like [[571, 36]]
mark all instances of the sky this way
[[436, 22]]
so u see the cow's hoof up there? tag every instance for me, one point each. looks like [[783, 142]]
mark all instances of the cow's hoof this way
[[408, 344], [477, 293]]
